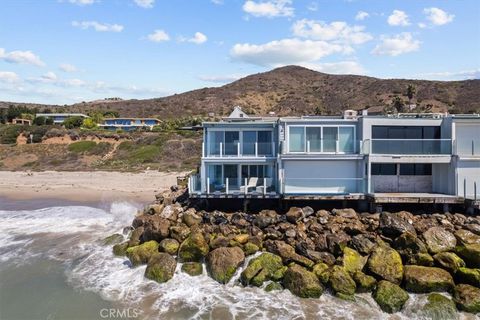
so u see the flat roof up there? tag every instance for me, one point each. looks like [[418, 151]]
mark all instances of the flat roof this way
[[126, 118], [61, 115]]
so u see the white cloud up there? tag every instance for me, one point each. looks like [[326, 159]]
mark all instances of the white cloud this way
[[198, 38], [145, 3], [396, 45], [97, 26], [222, 78], [158, 36], [448, 75], [81, 2], [422, 25], [336, 31], [437, 16], [9, 77], [342, 67], [361, 15], [313, 6], [49, 77], [72, 83], [67, 67], [285, 52], [398, 18], [217, 1], [23, 57], [269, 9]]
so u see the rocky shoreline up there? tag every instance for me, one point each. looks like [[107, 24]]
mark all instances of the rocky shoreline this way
[[340, 251]]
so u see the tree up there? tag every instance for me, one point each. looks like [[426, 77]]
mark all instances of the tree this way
[[49, 121], [410, 93], [89, 123], [39, 121], [397, 104], [73, 122]]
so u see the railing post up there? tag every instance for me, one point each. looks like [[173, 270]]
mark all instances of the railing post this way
[[473, 147], [264, 186], [226, 185], [208, 185], [221, 149], [272, 153], [246, 186], [256, 149], [337, 145], [465, 188], [308, 146], [475, 191], [203, 149]]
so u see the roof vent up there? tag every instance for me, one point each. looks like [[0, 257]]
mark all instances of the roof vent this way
[[350, 114]]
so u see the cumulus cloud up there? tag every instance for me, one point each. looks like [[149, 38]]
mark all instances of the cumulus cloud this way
[[285, 52], [9, 77], [217, 1], [198, 38], [398, 18], [97, 26], [338, 31], [22, 57], [437, 16], [82, 2], [67, 67], [397, 45], [221, 78], [269, 9], [313, 6], [147, 4], [361, 15], [158, 36]]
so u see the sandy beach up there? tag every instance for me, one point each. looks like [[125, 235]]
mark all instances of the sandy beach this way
[[85, 186]]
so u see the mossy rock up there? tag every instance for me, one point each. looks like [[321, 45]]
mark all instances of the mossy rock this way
[[365, 283], [160, 267], [449, 261], [261, 269], [341, 282], [422, 279], [223, 262], [386, 263], [141, 254], [169, 246], [192, 268], [250, 248], [194, 248], [302, 282], [470, 253], [438, 307], [273, 286], [352, 260], [279, 274], [322, 271], [390, 297], [135, 237], [120, 249], [421, 259], [468, 276], [115, 238], [467, 298], [241, 238]]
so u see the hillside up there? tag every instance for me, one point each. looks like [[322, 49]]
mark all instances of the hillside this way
[[294, 90]]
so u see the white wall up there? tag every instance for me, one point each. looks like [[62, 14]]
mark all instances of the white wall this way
[[468, 171]]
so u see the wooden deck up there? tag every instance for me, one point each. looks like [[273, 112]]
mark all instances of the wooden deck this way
[[414, 198]]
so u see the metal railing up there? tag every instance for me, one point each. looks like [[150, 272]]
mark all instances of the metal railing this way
[[324, 185], [236, 149], [323, 146], [408, 146], [467, 147], [240, 186]]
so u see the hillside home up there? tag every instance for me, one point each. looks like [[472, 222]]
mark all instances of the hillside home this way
[[129, 124], [26, 122], [394, 158], [59, 118]]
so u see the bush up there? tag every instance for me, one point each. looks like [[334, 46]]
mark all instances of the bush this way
[[73, 122], [9, 133], [82, 146], [89, 123], [100, 149], [49, 121], [39, 121]]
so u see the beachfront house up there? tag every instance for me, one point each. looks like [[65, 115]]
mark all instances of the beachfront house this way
[[383, 159], [129, 124], [59, 118]]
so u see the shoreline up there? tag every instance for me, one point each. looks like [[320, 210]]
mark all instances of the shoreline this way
[[85, 186]]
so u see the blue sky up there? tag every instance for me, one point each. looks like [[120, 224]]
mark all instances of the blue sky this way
[[66, 51]]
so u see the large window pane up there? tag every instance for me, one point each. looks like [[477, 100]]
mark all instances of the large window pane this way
[[264, 143], [215, 138], [249, 139], [314, 138], [297, 139], [384, 169], [231, 142], [330, 136], [346, 142], [230, 171]]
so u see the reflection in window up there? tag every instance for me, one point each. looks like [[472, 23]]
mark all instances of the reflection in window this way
[[297, 139]]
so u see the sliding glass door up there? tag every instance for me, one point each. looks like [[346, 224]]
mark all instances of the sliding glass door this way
[[330, 137]]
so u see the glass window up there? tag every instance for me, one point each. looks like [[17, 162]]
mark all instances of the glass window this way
[[230, 172], [346, 142], [231, 142], [384, 169], [407, 169], [216, 137], [330, 137], [296, 139], [215, 174], [249, 139], [417, 169], [264, 143], [314, 138]]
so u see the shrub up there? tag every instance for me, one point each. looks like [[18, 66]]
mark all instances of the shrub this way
[[49, 121], [73, 122], [39, 121], [9, 133], [89, 123], [82, 146], [100, 149]]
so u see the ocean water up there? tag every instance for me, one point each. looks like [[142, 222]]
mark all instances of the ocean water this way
[[53, 265]]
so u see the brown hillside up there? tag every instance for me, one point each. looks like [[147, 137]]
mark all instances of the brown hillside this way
[[294, 90]]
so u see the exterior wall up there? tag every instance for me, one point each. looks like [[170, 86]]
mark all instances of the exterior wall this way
[[468, 173], [443, 178], [397, 183]]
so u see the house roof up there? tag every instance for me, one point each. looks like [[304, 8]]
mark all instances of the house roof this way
[[62, 115]]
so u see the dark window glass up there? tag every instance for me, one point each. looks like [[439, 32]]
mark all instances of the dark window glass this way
[[405, 132], [417, 169], [407, 169], [379, 132], [431, 132], [413, 133], [384, 169]]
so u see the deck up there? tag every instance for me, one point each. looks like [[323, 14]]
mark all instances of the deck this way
[[414, 198]]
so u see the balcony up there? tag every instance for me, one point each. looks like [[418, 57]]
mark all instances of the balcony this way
[[322, 146], [324, 185], [408, 146], [467, 147], [232, 186], [256, 149]]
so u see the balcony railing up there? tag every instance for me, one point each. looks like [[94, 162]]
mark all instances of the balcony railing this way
[[467, 147], [408, 146], [232, 185], [324, 185], [235, 149], [323, 146]]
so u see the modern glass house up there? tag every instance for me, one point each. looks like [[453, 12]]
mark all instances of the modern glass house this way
[[342, 157], [59, 118], [129, 124]]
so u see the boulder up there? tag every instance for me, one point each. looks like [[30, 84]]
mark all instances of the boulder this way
[[241, 238], [439, 240], [364, 282], [192, 268], [273, 286], [219, 241], [337, 242], [191, 218], [223, 262], [120, 249], [341, 283], [322, 271], [468, 276], [135, 237], [467, 298], [155, 208], [115, 238], [466, 237], [265, 218], [394, 224], [261, 269], [470, 253], [141, 254], [408, 244], [421, 279], [156, 228], [362, 244], [302, 282], [169, 246], [287, 252], [420, 259], [194, 248], [438, 307], [307, 211], [353, 261], [390, 297], [348, 213], [386, 263], [179, 232], [449, 261], [294, 214], [160, 267], [170, 212], [250, 248]]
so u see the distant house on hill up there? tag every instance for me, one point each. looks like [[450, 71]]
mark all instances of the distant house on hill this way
[[59, 118], [27, 122], [129, 124]]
